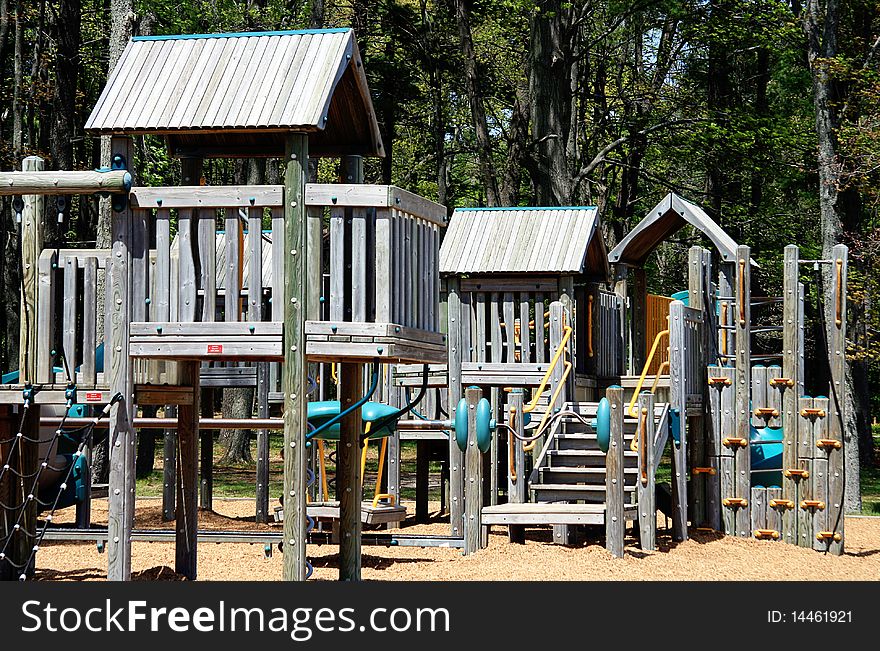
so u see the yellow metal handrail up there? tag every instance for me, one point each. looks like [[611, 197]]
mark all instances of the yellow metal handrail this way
[[568, 366], [566, 335], [632, 404]]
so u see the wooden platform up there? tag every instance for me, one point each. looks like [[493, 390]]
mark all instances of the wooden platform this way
[[544, 513], [502, 374], [329, 511], [242, 341], [335, 341]]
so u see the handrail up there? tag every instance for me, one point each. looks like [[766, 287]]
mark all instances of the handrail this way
[[631, 409], [511, 448], [568, 366], [566, 335], [590, 326], [643, 447], [634, 444]]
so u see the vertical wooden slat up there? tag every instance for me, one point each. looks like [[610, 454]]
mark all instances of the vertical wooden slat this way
[[69, 317], [41, 363], [207, 246], [337, 264], [90, 321], [232, 301], [495, 326], [524, 332], [479, 302], [384, 279], [539, 328]]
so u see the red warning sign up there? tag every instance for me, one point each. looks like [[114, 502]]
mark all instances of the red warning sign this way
[[215, 348], [93, 396]]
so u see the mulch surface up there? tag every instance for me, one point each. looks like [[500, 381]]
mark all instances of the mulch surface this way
[[705, 556]]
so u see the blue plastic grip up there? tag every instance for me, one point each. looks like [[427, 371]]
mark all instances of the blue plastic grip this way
[[461, 421], [484, 427], [602, 424]]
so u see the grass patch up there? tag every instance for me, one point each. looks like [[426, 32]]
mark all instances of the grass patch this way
[[239, 480]]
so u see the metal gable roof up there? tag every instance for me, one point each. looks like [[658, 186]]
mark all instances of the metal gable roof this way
[[667, 217], [523, 240], [242, 82]]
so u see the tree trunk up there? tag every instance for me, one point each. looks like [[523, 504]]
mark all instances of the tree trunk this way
[[820, 25], [549, 102], [66, 78], [475, 99]]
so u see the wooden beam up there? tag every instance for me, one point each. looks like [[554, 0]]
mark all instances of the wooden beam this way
[[743, 389], [187, 519], [206, 196], [473, 483], [36, 181], [615, 495], [295, 248], [122, 435]]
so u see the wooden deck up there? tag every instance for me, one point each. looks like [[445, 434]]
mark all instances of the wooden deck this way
[[543, 513]]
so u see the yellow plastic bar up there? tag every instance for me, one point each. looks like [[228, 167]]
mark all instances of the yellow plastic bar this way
[[742, 289], [531, 444], [377, 495], [511, 448], [559, 352], [325, 490], [838, 317], [631, 410], [364, 452]]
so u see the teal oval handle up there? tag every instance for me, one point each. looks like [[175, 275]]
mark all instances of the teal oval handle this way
[[602, 424], [461, 421]]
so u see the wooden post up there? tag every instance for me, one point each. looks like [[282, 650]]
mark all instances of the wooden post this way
[[296, 156], [473, 484], [456, 457], [26, 459], [742, 400], [678, 411], [516, 476], [646, 480], [121, 434], [161, 311], [838, 399], [791, 361], [615, 493], [186, 513], [562, 533], [699, 263], [349, 484]]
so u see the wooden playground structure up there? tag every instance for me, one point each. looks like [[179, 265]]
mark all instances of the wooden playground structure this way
[[508, 341]]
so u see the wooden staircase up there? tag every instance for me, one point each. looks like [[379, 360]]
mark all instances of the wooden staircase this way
[[568, 482]]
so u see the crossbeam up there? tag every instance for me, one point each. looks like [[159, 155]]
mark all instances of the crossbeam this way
[[61, 182]]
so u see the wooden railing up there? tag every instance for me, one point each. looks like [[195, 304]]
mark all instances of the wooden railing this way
[[383, 255]]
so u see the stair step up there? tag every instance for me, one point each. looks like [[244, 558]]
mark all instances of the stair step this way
[[590, 458], [572, 492], [582, 476]]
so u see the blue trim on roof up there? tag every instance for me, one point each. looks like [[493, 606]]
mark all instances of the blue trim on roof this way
[[487, 208], [292, 32]]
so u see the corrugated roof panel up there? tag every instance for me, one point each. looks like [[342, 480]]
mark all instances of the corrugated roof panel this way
[[224, 81], [517, 240]]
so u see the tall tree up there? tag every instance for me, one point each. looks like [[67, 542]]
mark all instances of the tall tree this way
[[838, 204]]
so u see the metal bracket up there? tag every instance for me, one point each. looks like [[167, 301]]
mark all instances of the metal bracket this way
[[119, 201]]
